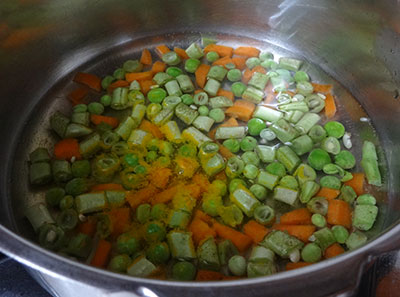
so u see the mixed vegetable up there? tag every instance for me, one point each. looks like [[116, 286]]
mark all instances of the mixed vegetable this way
[[211, 163]]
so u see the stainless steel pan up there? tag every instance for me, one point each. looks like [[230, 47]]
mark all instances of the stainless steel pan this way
[[355, 45]]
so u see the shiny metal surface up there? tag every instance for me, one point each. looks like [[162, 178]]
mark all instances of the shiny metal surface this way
[[43, 42]]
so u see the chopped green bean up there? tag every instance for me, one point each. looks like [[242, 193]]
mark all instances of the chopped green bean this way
[[185, 83], [194, 51], [171, 58], [253, 95], [248, 143], [258, 81], [264, 214], [173, 88], [284, 131], [308, 190], [302, 144], [234, 167], [276, 168], [331, 145], [259, 191], [317, 133], [370, 165], [288, 158], [220, 102], [230, 132], [232, 144], [132, 66], [212, 86], [250, 171], [217, 114], [217, 72], [266, 153], [237, 265], [355, 240], [252, 62], [250, 157], [318, 205]]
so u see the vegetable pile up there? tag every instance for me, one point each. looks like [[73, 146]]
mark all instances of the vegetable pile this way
[[211, 163]]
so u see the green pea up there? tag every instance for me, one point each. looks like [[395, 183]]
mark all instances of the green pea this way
[[318, 158], [128, 244], [212, 56], [155, 231], [54, 196], [317, 133], [220, 187], [174, 71], [132, 66], [76, 186], [290, 182], [105, 100], [66, 202], [119, 263], [248, 143], [255, 126], [341, 234], [232, 145], [187, 99], [143, 212], [203, 110], [276, 168], [119, 73], [156, 95], [188, 150], [334, 129], [217, 114], [131, 160], [250, 158], [81, 168], [151, 156], [318, 220], [106, 81], [235, 183], [250, 171], [301, 76], [183, 271], [237, 265], [331, 145], [191, 65], [95, 108], [345, 159], [331, 182], [140, 169], [252, 62], [80, 108], [366, 199], [158, 253], [311, 253], [234, 75], [158, 211], [238, 88], [153, 145]]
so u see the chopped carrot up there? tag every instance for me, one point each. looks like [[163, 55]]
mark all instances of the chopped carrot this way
[[259, 69], [223, 61], [181, 53], [158, 66], [255, 231], [226, 93], [135, 198], [89, 227], [165, 196], [193, 190], [357, 183], [301, 216], [330, 106], [198, 91], [200, 230], [159, 177], [161, 50], [186, 166], [88, 79], [146, 57], [201, 180], [201, 75], [209, 275], [102, 254], [328, 193], [145, 85], [66, 149], [339, 213], [131, 76], [333, 251], [247, 74], [240, 240], [246, 51], [239, 62], [212, 133], [292, 265], [117, 84], [241, 109], [106, 187], [227, 154], [231, 122], [270, 94], [98, 119], [302, 232], [322, 88], [221, 50], [78, 96], [221, 176], [120, 220], [201, 215], [151, 128]]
